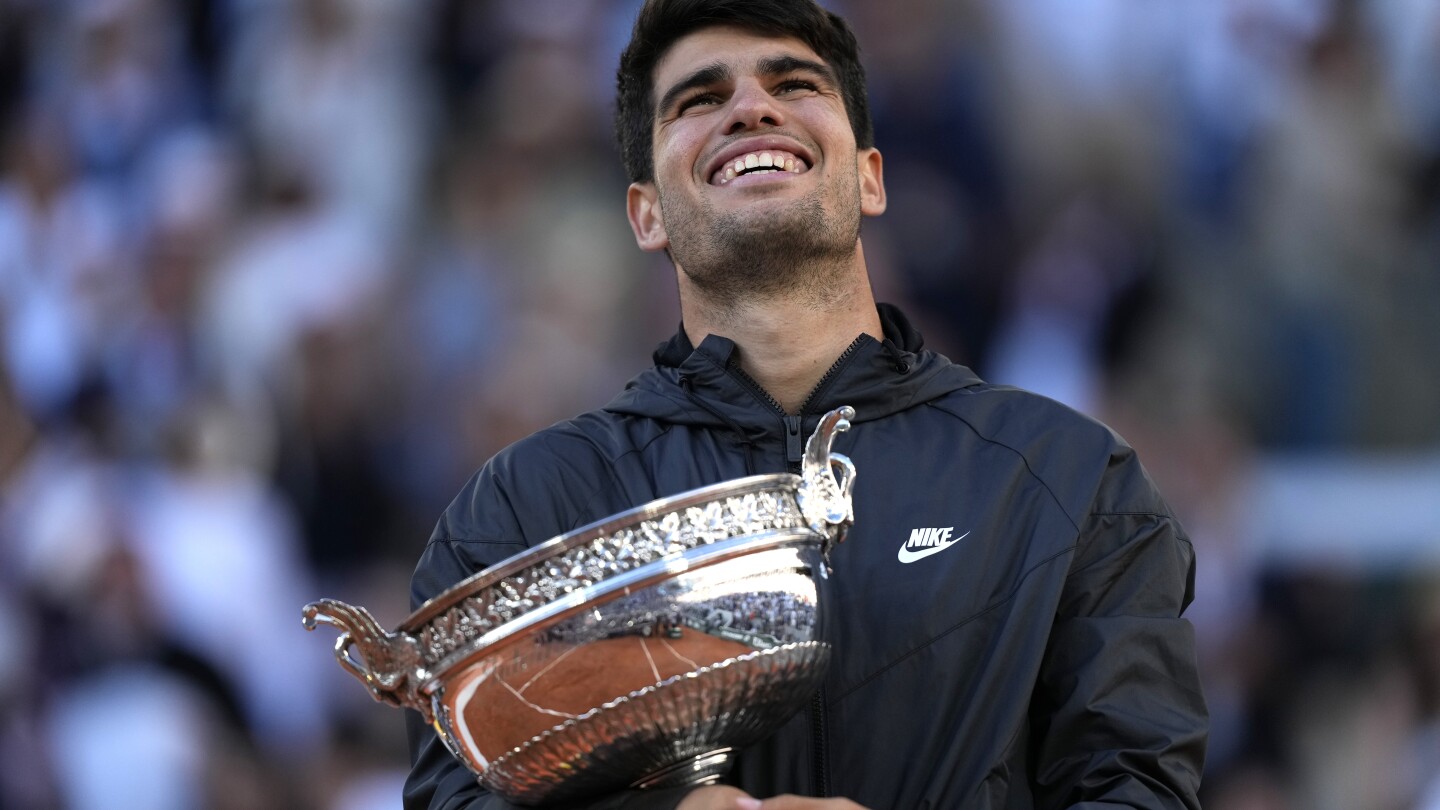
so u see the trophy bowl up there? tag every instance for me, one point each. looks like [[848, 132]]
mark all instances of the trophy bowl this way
[[640, 651]]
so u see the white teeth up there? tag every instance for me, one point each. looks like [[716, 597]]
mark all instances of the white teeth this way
[[759, 161]]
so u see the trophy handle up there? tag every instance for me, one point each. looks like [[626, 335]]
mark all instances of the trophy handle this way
[[827, 479], [390, 664]]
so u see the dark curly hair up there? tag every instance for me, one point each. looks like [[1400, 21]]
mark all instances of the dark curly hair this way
[[662, 22]]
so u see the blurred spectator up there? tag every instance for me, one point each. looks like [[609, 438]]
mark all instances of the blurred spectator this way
[[64, 277], [334, 86]]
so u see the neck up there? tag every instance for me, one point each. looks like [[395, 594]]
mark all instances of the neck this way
[[787, 342]]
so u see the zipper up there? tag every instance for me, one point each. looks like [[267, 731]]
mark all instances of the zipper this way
[[794, 448], [817, 726], [756, 389], [817, 703], [794, 428], [832, 371], [794, 454]]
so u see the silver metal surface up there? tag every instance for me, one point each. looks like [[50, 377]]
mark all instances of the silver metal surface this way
[[637, 651]]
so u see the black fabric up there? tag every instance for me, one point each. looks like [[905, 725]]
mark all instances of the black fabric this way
[[1039, 662]]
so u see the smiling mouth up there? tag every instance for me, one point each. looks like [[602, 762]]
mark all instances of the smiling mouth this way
[[768, 161]]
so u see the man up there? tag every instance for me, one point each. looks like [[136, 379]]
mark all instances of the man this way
[[1007, 607]]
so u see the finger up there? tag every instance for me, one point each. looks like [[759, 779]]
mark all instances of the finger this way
[[789, 802], [716, 797]]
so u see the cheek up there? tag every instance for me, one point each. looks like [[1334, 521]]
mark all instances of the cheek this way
[[675, 155], [828, 123]]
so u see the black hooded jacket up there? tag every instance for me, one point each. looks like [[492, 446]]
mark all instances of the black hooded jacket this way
[[1041, 661]]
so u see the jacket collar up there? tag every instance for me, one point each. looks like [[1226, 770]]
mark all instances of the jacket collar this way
[[703, 385], [898, 331]]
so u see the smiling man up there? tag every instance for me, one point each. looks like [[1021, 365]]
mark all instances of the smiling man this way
[[1007, 611], [755, 182]]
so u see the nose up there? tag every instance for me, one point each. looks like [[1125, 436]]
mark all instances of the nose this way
[[752, 107]]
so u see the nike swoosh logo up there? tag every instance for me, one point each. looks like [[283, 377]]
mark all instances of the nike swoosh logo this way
[[908, 556]]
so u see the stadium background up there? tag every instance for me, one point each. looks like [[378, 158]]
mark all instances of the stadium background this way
[[277, 275]]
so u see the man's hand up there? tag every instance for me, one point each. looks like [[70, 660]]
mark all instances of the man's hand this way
[[729, 798]]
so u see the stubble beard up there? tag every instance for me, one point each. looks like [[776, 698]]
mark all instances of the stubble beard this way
[[740, 259]]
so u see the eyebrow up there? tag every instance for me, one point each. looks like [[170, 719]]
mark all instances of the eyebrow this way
[[719, 72], [705, 76], [777, 65]]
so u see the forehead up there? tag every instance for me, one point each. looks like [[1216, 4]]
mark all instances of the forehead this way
[[738, 49]]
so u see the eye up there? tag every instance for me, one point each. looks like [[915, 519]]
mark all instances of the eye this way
[[697, 100], [792, 85]]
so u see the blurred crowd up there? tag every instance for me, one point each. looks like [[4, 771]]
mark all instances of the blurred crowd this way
[[277, 275]]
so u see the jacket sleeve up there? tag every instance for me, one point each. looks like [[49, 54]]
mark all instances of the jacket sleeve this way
[[1118, 713], [481, 528]]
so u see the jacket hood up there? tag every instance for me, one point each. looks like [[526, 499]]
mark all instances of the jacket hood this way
[[703, 386]]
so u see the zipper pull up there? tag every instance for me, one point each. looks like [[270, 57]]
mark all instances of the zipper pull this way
[[794, 448]]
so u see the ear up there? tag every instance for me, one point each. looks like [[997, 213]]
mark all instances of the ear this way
[[872, 182], [642, 205]]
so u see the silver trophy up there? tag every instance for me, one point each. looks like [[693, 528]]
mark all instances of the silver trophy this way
[[639, 651]]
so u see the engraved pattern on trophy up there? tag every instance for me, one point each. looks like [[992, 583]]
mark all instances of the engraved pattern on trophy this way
[[641, 650], [616, 553]]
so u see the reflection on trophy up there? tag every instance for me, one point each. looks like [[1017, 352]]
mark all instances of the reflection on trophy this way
[[639, 651]]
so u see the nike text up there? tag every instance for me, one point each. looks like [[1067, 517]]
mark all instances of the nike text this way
[[929, 537], [925, 542]]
